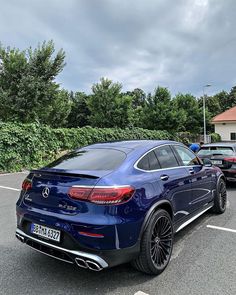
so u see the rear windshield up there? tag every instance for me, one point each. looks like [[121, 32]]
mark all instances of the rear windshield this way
[[91, 159], [216, 150]]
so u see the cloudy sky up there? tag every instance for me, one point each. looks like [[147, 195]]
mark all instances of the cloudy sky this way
[[179, 44]]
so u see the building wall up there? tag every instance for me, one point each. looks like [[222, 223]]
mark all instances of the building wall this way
[[224, 129]]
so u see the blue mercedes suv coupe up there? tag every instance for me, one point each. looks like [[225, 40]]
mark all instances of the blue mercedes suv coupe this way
[[111, 203]]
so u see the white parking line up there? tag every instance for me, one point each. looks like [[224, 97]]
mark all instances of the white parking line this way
[[140, 293], [222, 228], [10, 188]]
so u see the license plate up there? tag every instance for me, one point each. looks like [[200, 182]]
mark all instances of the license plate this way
[[216, 162], [45, 232]]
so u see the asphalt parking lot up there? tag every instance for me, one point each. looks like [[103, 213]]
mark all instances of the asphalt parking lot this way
[[203, 259]]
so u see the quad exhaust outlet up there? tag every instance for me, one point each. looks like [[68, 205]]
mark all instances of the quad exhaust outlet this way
[[89, 264], [82, 259]]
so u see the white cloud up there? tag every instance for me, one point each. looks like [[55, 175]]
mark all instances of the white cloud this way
[[180, 44]]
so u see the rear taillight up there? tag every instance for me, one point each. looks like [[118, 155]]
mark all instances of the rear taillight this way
[[230, 160], [79, 193], [111, 195], [102, 195], [27, 184]]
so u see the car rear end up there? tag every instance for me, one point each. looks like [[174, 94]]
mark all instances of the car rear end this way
[[68, 211], [223, 156]]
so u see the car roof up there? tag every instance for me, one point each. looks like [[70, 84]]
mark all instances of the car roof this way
[[131, 144], [223, 144]]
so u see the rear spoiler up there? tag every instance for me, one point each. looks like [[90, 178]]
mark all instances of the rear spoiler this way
[[62, 173]]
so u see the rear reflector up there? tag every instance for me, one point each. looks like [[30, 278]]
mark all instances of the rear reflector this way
[[102, 195], [27, 184], [93, 235]]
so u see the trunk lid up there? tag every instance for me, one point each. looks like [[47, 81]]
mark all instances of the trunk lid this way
[[50, 189], [84, 167]]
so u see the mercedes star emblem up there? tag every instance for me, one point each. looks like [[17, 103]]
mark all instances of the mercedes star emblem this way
[[45, 192]]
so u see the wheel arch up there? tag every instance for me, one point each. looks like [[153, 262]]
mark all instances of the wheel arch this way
[[221, 176], [162, 204]]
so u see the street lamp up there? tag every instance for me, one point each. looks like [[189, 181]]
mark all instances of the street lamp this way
[[204, 110]]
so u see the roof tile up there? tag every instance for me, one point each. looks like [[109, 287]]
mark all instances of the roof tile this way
[[229, 115]]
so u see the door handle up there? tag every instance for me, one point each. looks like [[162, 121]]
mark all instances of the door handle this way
[[191, 171], [164, 177]]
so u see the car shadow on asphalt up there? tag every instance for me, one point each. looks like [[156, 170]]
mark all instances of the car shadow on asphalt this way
[[85, 281], [231, 186]]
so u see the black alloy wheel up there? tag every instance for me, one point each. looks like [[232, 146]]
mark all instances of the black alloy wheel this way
[[222, 195], [220, 199], [161, 241], [156, 244]]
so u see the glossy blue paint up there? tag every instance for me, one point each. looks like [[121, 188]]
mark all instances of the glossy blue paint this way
[[120, 224]]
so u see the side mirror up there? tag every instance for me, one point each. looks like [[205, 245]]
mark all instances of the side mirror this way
[[207, 162]]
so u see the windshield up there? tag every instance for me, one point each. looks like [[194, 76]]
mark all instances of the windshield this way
[[216, 150], [90, 159]]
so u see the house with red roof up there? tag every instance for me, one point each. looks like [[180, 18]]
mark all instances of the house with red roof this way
[[225, 124]]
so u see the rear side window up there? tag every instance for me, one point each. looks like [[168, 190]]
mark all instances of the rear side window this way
[[166, 157], [187, 157], [91, 159], [149, 162]]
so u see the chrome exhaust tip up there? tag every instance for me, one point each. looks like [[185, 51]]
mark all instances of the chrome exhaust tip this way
[[20, 238], [93, 265], [89, 264], [81, 262]]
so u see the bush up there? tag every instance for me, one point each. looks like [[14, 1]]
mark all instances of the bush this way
[[215, 137], [27, 146]]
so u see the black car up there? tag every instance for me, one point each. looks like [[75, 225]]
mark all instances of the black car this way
[[222, 155]]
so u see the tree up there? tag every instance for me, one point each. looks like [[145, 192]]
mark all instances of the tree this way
[[213, 105], [79, 115], [193, 116], [231, 98], [161, 113], [107, 105], [138, 97], [28, 92]]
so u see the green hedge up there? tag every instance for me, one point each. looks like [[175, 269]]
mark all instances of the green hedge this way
[[26, 146], [215, 137]]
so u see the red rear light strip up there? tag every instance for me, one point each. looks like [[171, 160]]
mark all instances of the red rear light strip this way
[[102, 186], [231, 160], [107, 195], [93, 235], [27, 184]]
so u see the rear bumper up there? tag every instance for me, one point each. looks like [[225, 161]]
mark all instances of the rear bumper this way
[[93, 260]]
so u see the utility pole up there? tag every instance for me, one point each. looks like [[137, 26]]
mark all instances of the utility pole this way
[[204, 111]]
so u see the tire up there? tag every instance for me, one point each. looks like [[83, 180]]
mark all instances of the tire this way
[[156, 244], [220, 199]]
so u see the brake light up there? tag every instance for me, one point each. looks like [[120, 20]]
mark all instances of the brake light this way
[[111, 195], [27, 184], [231, 160], [79, 193], [102, 195]]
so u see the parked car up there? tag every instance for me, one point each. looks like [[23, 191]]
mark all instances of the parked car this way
[[222, 155], [111, 203]]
